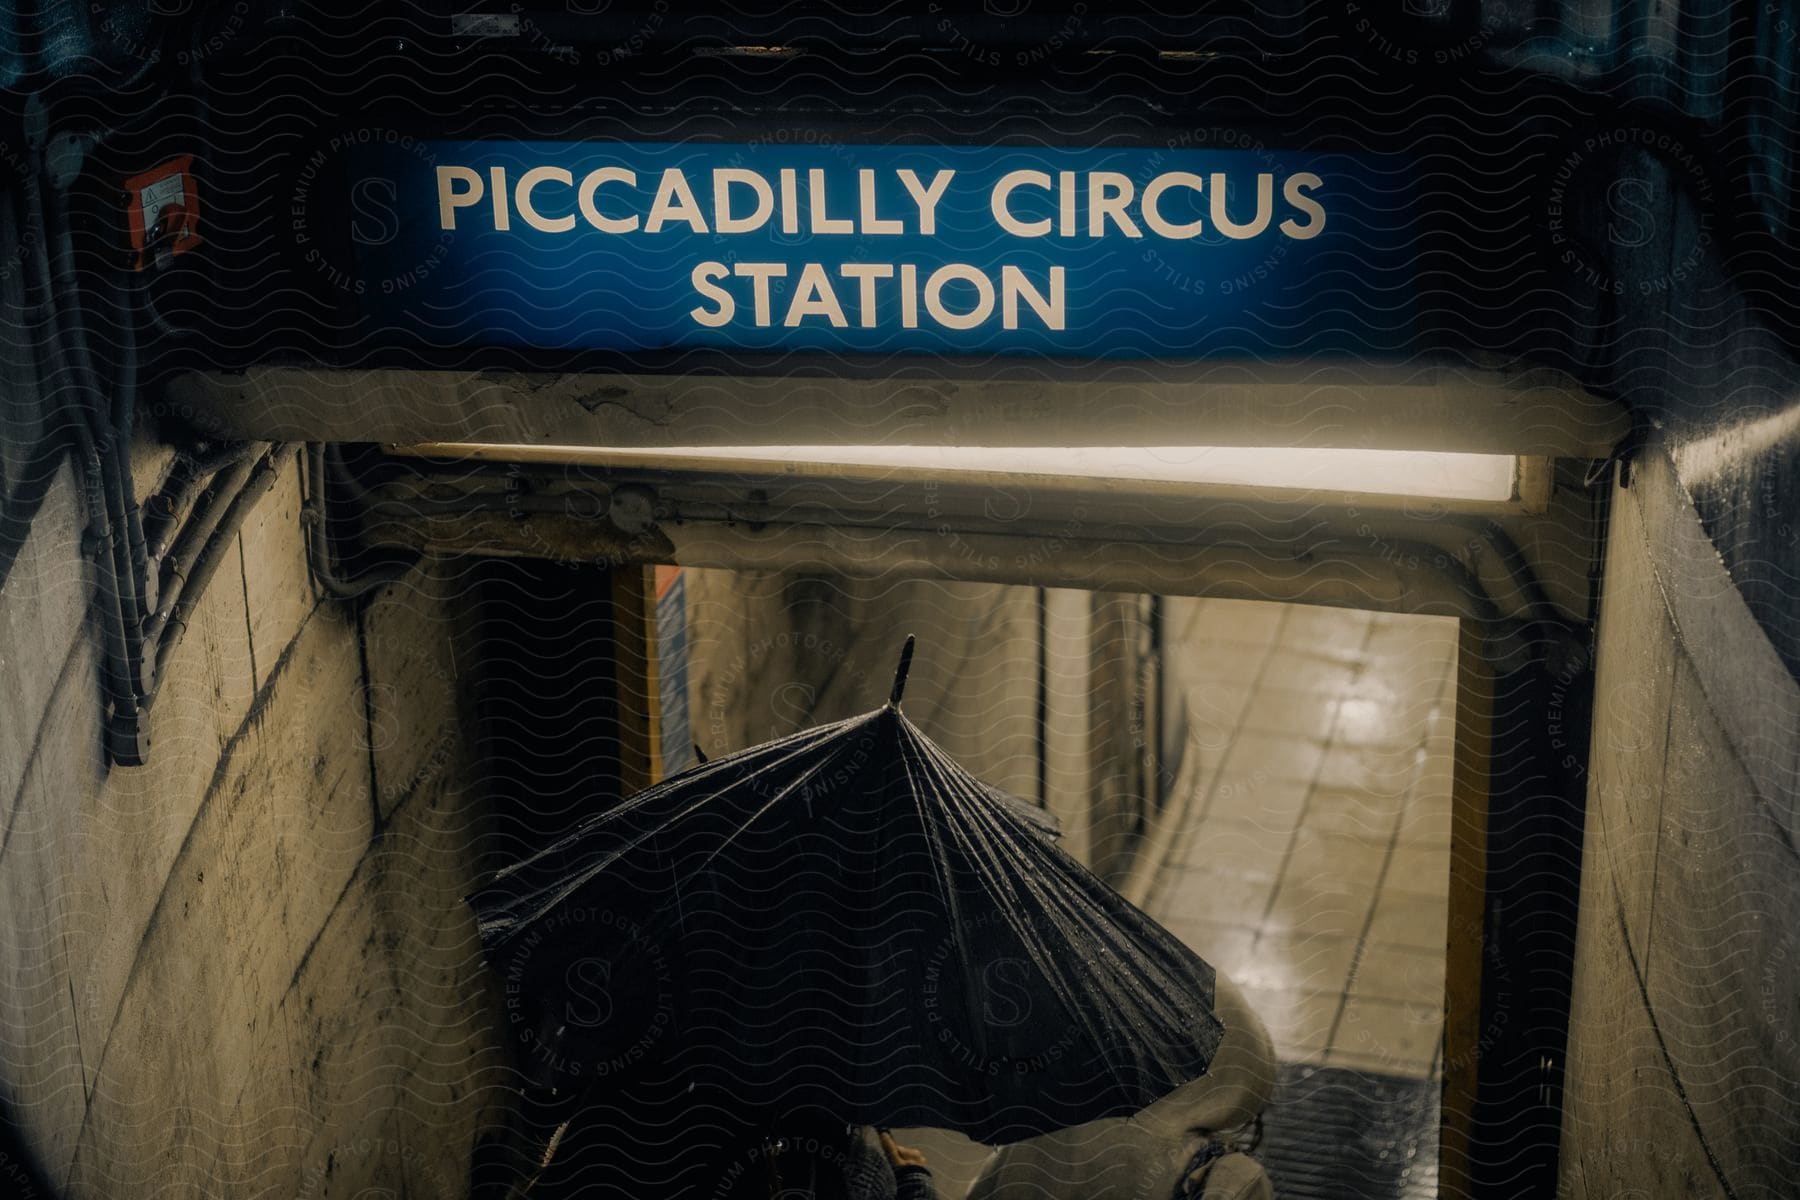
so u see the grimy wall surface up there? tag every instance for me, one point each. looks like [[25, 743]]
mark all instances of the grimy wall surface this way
[[244, 968], [1683, 1063], [773, 652]]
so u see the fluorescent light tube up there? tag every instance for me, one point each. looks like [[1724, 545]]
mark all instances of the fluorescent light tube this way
[[1423, 474]]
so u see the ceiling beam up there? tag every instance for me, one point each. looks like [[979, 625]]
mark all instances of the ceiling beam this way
[[1532, 411]]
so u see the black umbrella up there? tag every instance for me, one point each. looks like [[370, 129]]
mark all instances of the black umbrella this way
[[845, 922]]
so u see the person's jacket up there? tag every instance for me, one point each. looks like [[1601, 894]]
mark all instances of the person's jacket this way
[[871, 1177]]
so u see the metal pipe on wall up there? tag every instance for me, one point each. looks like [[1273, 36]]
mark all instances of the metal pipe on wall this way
[[188, 480], [1403, 577], [179, 607], [92, 440], [192, 539], [1243, 570], [319, 553]]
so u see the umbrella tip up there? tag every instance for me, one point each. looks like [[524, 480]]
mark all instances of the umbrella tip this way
[[906, 653]]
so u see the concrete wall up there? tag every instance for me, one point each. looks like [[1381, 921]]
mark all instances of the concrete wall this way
[[1683, 1063], [243, 968], [772, 653]]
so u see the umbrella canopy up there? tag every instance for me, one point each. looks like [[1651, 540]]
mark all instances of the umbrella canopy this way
[[845, 922]]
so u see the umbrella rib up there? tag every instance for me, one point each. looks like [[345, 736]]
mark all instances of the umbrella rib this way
[[940, 860], [952, 783], [1095, 924], [779, 751], [1057, 907], [806, 777], [588, 873], [1048, 964], [975, 844], [1155, 991]]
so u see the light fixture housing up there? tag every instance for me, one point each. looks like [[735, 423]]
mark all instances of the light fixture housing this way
[[1375, 478]]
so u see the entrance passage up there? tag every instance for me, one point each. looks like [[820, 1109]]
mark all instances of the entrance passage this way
[[1311, 865], [1271, 782]]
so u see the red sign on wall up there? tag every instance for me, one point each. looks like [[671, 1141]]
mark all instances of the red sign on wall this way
[[164, 212]]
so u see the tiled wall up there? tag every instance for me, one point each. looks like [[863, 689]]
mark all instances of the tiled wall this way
[[245, 967]]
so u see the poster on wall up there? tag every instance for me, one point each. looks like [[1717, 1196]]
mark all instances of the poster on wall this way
[[672, 670]]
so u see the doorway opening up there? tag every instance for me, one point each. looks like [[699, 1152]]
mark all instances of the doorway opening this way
[[1511, 578], [1272, 782]]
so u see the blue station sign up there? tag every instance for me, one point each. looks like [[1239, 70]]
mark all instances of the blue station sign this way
[[1115, 252]]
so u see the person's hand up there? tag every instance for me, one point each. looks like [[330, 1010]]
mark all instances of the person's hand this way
[[901, 1156]]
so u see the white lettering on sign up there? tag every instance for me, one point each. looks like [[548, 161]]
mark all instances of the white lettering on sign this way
[[1027, 204], [858, 291]]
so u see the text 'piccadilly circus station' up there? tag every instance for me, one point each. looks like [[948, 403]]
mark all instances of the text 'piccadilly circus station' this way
[[899, 202]]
